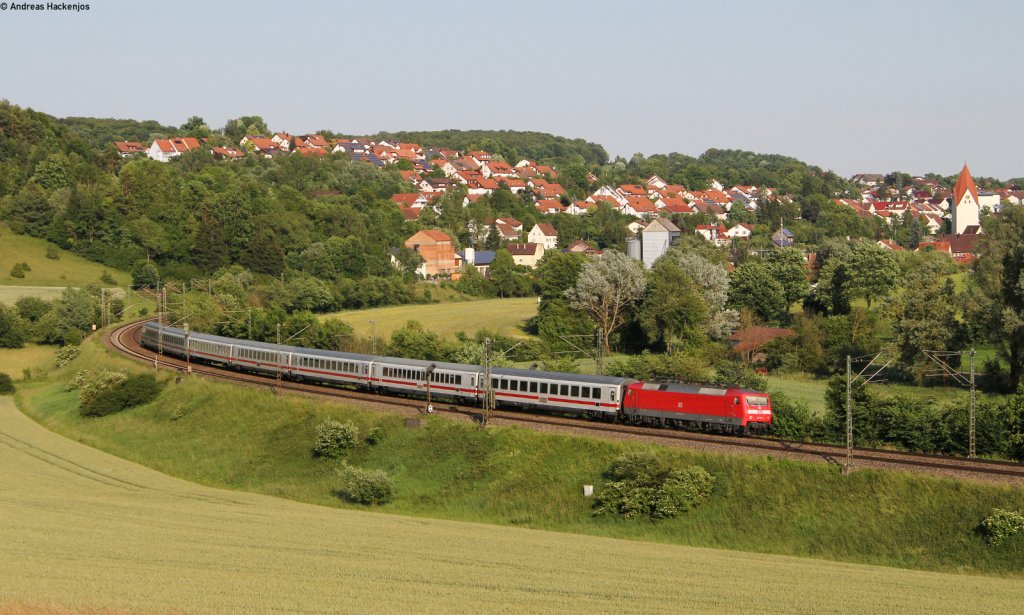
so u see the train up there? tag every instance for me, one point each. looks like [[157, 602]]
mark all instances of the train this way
[[697, 407]]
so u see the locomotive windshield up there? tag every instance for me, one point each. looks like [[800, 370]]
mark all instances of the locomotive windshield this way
[[757, 400]]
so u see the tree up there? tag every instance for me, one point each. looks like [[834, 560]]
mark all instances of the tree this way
[[788, 267], [673, 310], [264, 253], [557, 272], [246, 125], [506, 280], [606, 289], [835, 286], [210, 251], [753, 286], [873, 271], [925, 319], [713, 281], [196, 127], [996, 289], [144, 273], [12, 328]]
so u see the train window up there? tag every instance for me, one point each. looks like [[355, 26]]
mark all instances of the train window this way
[[565, 389], [458, 379], [613, 394], [494, 383], [595, 393], [585, 392], [533, 386], [504, 384], [575, 391], [543, 388]]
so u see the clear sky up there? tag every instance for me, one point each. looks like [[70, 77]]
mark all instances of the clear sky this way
[[853, 86]]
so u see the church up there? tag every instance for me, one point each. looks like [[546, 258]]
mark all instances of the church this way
[[966, 207]]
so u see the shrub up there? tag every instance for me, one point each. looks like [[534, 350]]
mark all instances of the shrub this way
[[643, 486], [52, 252], [333, 438], [17, 271], [6, 384], [364, 486], [375, 436], [1002, 525], [132, 391], [106, 278], [93, 382], [67, 354]]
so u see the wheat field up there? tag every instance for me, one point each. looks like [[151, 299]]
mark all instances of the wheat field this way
[[87, 531]]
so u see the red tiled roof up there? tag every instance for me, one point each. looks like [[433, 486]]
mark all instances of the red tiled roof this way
[[130, 147], [965, 183]]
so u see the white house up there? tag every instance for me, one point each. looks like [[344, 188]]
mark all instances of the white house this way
[[543, 234], [740, 231], [164, 149]]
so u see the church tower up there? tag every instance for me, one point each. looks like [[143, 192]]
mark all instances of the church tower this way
[[965, 208]]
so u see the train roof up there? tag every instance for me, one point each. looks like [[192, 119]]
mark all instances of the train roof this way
[[419, 363], [532, 373], [701, 389]]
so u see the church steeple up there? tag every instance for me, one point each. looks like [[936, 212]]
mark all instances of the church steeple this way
[[963, 185]]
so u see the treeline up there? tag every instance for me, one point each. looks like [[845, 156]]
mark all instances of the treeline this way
[[512, 145], [101, 132]]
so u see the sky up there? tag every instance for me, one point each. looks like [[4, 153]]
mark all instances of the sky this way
[[865, 86]]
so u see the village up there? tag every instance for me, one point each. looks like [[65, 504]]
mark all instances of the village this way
[[949, 219]]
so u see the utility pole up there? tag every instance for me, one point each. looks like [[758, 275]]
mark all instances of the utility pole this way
[[188, 355], [850, 379], [599, 352], [488, 389], [373, 337], [103, 308], [945, 369], [277, 378], [849, 418], [429, 376]]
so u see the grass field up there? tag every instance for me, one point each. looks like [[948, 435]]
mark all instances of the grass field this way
[[238, 438], [86, 531], [34, 357], [811, 390], [68, 270], [10, 294], [504, 316]]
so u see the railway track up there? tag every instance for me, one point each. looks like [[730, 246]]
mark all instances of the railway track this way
[[126, 339]]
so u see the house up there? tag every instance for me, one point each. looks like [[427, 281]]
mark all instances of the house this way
[[497, 168], [481, 259], [656, 182], [283, 141], [126, 149], [410, 199], [550, 191], [227, 153], [544, 234], [639, 206], [163, 150], [715, 233], [674, 205], [550, 206], [628, 190], [437, 184], [889, 244], [783, 238], [740, 231], [260, 145], [526, 254], [437, 250], [653, 241], [582, 247]]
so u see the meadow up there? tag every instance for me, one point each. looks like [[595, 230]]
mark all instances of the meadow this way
[[68, 270], [503, 316], [85, 531], [240, 438]]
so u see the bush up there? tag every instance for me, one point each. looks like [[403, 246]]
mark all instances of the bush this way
[[364, 486], [1002, 525], [133, 391], [52, 252], [333, 438], [642, 486], [6, 384], [17, 271], [375, 436], [106, 278], [67, 354], [91, 383]]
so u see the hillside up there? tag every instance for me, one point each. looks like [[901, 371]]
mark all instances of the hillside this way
[[67, 270], [238, 552], [512, 145], [101, 132], [502, 316], [239, 438]]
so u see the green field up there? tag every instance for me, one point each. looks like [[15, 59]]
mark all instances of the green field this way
[[239, 438], [83, 530], [10, 294], [811, 391], [13, 361], [68, 270], [503, 316]]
